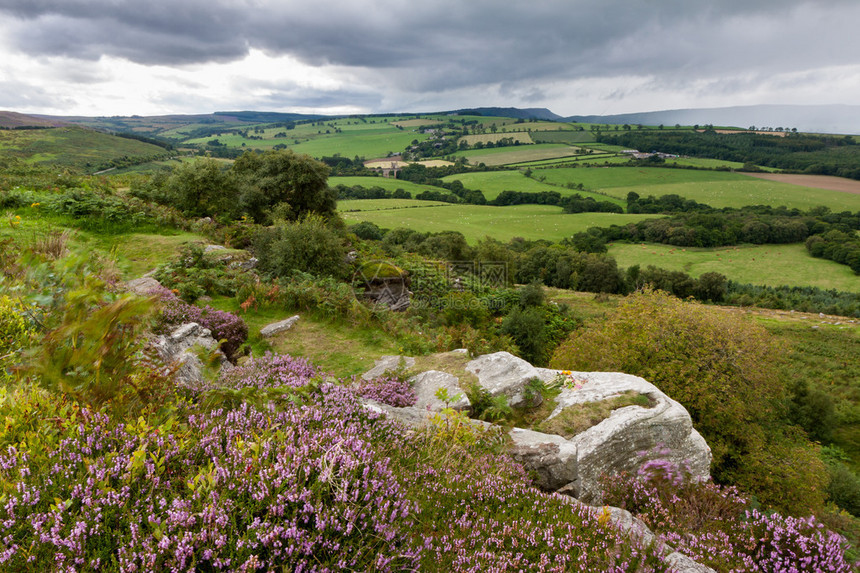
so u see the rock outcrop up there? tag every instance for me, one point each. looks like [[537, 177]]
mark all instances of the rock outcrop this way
[[572, 465], [181, 348]]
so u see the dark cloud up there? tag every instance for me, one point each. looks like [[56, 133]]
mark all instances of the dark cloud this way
[[446, 45]]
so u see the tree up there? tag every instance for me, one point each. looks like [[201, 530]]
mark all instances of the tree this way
[[283, 180]]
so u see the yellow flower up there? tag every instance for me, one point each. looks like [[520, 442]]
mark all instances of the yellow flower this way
[[36, 204]]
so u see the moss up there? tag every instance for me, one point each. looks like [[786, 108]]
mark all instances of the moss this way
[[580, 417]]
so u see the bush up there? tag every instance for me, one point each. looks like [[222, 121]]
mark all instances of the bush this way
[[308, 246], [723, 369]]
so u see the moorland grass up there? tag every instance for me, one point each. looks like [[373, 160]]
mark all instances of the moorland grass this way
[[74, 147]]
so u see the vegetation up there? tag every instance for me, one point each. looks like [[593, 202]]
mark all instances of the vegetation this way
[[724, 370], [108, 464]]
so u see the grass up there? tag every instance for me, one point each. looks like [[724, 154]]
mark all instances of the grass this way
[[715, 188], [520, 136], [502, 223], [73, 147], [772, 265], [384, 182], [518, 154], [576, 419], [828, 358], [492, 183], [363, 205]]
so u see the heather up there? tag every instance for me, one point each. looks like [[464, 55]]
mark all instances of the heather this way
[[314, 483], [718, 526], [226, 327]]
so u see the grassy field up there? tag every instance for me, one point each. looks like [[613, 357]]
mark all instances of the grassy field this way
[[353, 205], [593, 159], [521, 136], [518, 154], [491, 183], [503, 223], [383, 182], [715, 188], [74, 147], [772, 265]]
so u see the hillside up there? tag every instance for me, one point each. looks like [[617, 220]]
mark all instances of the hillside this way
[[15, 120], [76, 147]]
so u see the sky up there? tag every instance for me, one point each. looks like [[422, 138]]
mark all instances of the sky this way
[[575, 57]]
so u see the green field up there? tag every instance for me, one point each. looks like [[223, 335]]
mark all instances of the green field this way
[[478, 221], [74, 147], [383, 182], [772, 265], [491, 183], [518, 154], [593, 159], [715, 188], [353, 205]]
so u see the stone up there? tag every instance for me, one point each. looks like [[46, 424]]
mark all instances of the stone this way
[[614, 445], [551, 458], [144, 286], [427, 384], [280, 326], [388, 364], [212, 248], [503, 373], [178, 348]]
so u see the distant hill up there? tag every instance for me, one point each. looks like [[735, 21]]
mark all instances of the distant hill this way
[[77, 147], [844, 119], [15, 120], [155, 125], [515, 112]]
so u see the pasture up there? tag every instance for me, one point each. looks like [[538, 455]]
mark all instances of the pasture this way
[[518, 154], [771, 265], [518, 136], [491, 183], [384, 183], [478, 221], [715, 188]]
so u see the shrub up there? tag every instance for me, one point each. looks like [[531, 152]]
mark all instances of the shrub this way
[[723, 369], [309, 246]]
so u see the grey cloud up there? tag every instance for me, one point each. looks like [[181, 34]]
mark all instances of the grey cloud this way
[[450, 44]]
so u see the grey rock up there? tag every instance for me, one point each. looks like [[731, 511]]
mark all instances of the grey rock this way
[[280, 326], [211, 248], [178, 348], [614, 445], [428, 383], [503, 373], [388, 364], [144, 286], [552, 458]]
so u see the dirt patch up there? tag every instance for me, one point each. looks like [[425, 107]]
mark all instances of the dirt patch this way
[[815, 181]]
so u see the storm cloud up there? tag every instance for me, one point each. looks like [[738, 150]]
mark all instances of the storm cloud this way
[[405, 50]]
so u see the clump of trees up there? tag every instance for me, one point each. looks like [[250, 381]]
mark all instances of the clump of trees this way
[[261, 186]]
